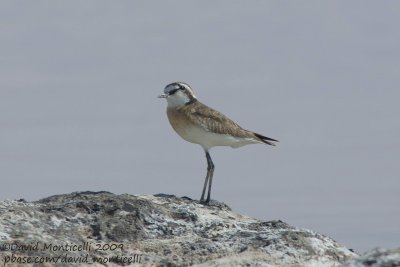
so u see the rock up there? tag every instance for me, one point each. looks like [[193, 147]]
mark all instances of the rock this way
[[378, 257], [160, 230]]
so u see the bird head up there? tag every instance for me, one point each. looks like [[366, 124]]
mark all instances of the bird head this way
[[178, 94]]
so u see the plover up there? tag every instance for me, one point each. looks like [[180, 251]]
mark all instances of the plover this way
[[200, 124]]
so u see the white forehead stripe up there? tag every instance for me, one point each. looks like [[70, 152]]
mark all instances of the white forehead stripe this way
[[170, 87]]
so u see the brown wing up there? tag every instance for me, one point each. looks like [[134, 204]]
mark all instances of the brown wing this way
[[213, 121]]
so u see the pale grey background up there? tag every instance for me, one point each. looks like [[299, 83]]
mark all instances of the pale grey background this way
[[78, 106]]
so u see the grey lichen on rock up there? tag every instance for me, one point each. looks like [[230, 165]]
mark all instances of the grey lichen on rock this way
[[378, 257], [163, 230]]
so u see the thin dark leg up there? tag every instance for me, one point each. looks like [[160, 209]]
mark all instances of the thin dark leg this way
[[210, 169], [210, 172], [206, 180], [205, 186]]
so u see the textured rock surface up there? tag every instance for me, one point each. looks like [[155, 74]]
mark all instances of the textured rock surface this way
[[377, 258], [158, 230]]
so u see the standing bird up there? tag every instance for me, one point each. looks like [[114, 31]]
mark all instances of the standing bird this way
[[200, 124]]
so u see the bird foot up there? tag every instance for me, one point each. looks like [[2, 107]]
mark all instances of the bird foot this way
[[205, 202]]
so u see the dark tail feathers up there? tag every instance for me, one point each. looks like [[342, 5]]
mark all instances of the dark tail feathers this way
[[265, 139]]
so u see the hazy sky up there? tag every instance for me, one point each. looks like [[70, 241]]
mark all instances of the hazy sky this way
[[78, 106]]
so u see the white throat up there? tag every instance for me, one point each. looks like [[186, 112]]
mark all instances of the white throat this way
[[177, 99]]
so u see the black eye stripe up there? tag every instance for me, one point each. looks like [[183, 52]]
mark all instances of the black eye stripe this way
[[173, 91]]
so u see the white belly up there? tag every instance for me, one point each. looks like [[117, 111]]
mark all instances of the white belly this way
[[209, 139]]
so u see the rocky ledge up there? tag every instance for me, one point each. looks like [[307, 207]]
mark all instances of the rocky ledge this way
[[377, 257], [101, 228]]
